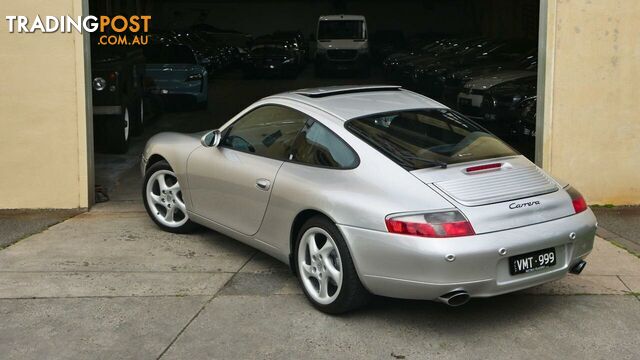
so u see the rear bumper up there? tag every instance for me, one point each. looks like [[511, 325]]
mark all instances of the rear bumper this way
[[415, 268]]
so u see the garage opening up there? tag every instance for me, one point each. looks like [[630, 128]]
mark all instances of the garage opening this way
[[206, 60]]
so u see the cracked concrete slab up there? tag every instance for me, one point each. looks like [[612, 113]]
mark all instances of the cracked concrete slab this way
[[18, 224], [123, 242], [262, 284], [263, 263], [93, 328], [582, 284], [608, 259], [632, 282], [506, 327], [96, 284]]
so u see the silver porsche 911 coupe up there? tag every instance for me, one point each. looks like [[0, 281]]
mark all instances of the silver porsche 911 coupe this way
[[371, 190]]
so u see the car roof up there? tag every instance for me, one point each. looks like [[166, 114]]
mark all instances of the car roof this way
[[352, 101]]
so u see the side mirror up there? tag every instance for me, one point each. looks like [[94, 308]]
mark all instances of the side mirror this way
[[211, 138]]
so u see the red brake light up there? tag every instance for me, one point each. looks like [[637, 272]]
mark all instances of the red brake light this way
[[483, 167], [437, 225], [579, 204]]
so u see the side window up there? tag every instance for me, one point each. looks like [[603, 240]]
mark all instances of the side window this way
[[317, 145], [266, 131]]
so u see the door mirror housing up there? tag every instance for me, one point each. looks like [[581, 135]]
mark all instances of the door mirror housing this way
[[211, 138]]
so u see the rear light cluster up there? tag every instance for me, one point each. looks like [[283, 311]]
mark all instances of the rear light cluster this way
[[579, 204], [435, 225]]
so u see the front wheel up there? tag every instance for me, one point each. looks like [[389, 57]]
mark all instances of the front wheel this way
[[162, 196], [325, 268]]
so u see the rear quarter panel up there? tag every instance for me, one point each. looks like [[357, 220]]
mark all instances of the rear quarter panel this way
[[360, 197]]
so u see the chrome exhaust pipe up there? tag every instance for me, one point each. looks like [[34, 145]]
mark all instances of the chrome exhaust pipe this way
[[455, 298], [577, 268]]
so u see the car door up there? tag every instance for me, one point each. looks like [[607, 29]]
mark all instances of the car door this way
[[231, 184]]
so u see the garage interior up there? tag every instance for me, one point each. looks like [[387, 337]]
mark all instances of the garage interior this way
[[402, 27]]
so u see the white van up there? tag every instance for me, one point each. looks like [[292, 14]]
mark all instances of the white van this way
[[342, 44]]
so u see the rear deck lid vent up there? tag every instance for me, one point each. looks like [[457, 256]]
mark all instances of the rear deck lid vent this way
[[498, 186]]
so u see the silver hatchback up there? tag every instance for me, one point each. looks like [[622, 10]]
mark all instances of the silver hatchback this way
[[371, 190]]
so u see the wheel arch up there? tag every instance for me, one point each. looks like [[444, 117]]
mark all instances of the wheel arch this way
[[155, 158], [296, 225]]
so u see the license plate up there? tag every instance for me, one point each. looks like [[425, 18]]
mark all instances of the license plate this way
[[533, 261]]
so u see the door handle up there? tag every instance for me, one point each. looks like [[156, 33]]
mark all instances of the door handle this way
[[263, 184]]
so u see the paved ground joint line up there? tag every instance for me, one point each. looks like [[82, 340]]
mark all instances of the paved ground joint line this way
[[204, 306], [113, 272], [99, 297], [637, 296]]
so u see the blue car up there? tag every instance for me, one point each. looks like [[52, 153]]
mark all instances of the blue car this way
[[173, 74]]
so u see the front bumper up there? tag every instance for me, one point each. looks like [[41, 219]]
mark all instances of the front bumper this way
[[411, 267]]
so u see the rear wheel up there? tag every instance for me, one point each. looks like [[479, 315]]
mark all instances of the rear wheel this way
[[162, 196], [118, 131], [325, 268], [137, 117]]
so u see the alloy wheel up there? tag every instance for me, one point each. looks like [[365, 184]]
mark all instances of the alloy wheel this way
[[320, 265], [164, 198]]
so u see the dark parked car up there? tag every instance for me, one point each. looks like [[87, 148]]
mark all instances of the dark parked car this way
[[472, 100], [118, 106], [271, 59], [500, 101], [525, 123], [430, 78], [297, 40], [386, 42], [394, 64], [455, 80]]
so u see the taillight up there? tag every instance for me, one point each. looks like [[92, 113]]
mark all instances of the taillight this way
[[437, 225], [579, 204]]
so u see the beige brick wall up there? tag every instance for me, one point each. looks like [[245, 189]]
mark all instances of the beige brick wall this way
[[592, 97], [43, 142]]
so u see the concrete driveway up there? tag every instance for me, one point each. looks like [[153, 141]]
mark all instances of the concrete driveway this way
[[109, 284]]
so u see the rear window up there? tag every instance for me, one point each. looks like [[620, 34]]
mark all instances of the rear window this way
[[418, 139]]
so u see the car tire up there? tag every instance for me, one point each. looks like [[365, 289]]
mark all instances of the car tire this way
[[137, 116], [118, 132], [331, 265], [161, 195]]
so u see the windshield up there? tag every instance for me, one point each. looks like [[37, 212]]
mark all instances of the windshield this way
[[341, 29], [417, 139]]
